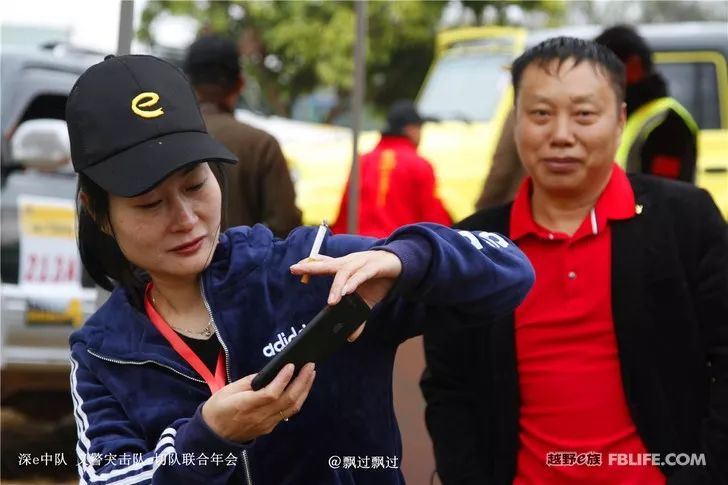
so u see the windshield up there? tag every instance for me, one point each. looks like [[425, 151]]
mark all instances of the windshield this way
[[465, 84]]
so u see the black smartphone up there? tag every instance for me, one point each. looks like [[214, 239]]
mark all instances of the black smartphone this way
[[320, 338]]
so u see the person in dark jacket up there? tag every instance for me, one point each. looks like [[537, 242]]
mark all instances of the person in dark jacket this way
[[397, 186], [161, 373], [614, 369], [660, 136], [260, 188]]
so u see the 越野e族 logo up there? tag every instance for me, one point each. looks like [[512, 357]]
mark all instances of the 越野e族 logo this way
[[141, 105]]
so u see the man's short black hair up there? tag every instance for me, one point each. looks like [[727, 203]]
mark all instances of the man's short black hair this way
[[580, 50], [213, 59], [625, 42]]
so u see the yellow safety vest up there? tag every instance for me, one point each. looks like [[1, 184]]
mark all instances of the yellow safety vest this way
[[639, 126]]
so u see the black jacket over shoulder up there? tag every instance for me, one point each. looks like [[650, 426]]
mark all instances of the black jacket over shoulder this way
[[670, 311], [672, 137]]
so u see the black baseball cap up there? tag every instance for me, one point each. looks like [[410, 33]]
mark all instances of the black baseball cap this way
[[401, 114], [212, 59], [133, 120]]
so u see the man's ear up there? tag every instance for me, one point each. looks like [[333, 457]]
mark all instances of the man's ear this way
[[233, 96], [86, 204], [621, 121]]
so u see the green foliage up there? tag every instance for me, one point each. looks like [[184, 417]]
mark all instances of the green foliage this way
[[293, 47], [315, 42]]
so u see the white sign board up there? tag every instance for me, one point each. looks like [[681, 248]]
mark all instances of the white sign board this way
[[48, 252], [50, 265]]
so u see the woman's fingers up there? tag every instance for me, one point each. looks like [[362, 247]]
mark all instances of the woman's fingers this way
[[272, 392], [304, 395], [363, 274], [318, 265], [338, 286], [300, 383], [243, 384], [238, 413], [297, 392], [342, 268]]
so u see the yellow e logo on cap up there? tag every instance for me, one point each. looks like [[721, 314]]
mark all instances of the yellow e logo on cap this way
[[146, 100]]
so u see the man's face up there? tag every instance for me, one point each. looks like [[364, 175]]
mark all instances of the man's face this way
[[567, 128]]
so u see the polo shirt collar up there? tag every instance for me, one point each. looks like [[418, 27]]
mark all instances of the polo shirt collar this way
[[616, 202], [396, 142]]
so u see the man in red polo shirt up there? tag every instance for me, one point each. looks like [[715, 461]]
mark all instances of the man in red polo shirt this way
[[397, 185], [614, 370]]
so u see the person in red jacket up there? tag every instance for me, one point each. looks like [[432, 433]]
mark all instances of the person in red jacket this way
[[397, 185]]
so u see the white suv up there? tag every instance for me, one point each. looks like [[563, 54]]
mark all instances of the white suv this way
[[40, 307]]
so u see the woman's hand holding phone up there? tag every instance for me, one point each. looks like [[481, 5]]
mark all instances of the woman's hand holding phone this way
[[238, 413]]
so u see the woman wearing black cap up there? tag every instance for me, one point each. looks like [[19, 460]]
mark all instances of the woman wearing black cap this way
[[161, 373]]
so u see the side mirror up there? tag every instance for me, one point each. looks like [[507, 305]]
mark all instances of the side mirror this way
[[42, 144]]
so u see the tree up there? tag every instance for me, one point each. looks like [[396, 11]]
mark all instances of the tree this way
[[293, 47]]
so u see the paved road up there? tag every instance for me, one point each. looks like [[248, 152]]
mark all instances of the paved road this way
[[25, 441]]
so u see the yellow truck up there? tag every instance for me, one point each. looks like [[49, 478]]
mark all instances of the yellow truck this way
[[468, 90]]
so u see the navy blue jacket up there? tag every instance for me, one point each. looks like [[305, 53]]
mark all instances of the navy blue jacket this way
[[138, 404]]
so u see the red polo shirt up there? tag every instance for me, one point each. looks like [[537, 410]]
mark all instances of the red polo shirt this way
[[572, 399]]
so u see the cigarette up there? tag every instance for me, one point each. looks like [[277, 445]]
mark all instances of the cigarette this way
[[316, 247]]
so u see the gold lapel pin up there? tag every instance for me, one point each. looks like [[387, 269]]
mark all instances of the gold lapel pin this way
[[638, 209]]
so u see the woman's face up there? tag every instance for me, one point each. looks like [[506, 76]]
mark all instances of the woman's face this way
[[172, 230]]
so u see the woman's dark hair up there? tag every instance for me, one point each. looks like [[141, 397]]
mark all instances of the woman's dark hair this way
[[563, 48], [100, 253]]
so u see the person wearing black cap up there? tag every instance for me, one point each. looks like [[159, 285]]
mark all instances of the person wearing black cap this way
[[660, 137], [261, 189], [161, 373], [398, 186]]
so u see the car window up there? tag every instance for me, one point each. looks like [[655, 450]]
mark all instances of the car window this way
[[47, 106], [465, 85], [695, 86]]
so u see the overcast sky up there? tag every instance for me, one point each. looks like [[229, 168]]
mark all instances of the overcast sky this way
[[95, 23], [91, 23]]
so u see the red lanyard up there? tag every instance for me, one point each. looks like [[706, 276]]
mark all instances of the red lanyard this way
[[214, 382]]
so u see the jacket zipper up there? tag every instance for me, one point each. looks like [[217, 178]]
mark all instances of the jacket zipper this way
[[143, 362], [246, 464], [246, 468]]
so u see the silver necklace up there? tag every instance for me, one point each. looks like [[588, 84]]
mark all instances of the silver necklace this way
[[205, 332]]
